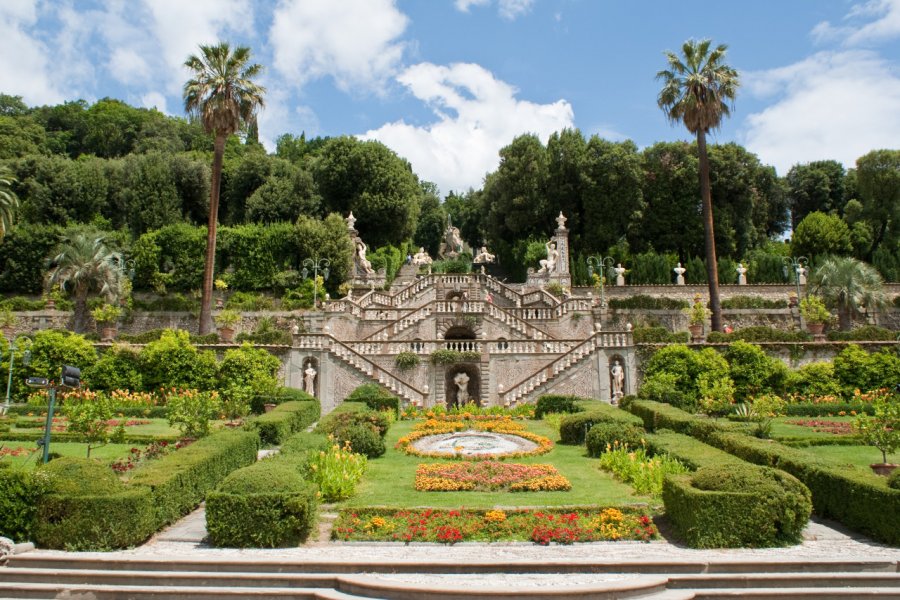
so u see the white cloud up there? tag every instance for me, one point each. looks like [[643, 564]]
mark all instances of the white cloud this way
[[26, 69], [355, 41], [832, 105], [477, 115], [508, 9], [155, 100], [886, 24]]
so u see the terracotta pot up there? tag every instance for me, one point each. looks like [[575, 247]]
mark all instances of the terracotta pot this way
[[8, 331], [50, 304], [226, 334], [815, 328], [884, 469], [696, 331], [108, 334]]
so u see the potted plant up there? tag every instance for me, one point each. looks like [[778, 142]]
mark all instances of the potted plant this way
[[106, 317], [697, 315], [816, 315], [221, 286], [7, 321], [226, 320], [881, 430]]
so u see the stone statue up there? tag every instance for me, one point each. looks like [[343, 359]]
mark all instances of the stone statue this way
[[361, 262], [549, 264], [309, 379], [620, 274], [351, 222], [679, 271], [452, 240], [483, 256], [421, 258], [801, 275], [462, 387], [617, 374], [742, 274]]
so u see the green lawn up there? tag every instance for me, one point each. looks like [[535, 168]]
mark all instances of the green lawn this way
[[781, 428], [155, 427], [389, 480], [861, 456], [106, 453]]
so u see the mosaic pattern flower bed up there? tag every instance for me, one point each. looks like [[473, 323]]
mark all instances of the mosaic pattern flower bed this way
[[489, 475], [563, 526], [508, 436]]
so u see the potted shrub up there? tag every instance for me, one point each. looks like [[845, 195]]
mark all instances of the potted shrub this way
[[7, 321], [106, 317], [816, 315], [697, 315], [881, 430], [226, 320]]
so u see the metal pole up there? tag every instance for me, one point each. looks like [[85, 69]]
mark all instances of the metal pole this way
[[46, 441], [12, 357]]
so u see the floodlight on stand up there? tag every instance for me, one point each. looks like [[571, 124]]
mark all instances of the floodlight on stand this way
[[71, 377], [37, 382]]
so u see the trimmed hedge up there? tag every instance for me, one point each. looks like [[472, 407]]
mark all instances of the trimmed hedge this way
[[375, 397], [758, 333], [660, 335], [143, 412], [18, 503], [556, 404], [602, 435], [266, 505], [35, 434], [284, 420], [179, 481], [304, 442], [809, 409], [659, 415], [574, 428]]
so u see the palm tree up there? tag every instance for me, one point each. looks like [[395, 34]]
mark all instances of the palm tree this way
[[850, 286], [223, 96], [9, 202], [84, 264], [696, 92]]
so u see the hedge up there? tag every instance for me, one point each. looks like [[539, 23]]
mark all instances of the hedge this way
[[144, 412], [285, 419], [602, 435], [809, 409], [357, 424], [32, 435], [180, 481], [549, 403], [659, 415], [573, 428], [375, 397], [18, 503], [266, 505]]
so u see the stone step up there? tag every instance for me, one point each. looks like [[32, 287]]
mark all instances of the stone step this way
[[812, 593], [129, 592]]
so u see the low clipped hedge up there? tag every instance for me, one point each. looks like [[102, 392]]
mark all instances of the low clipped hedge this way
[[736, 506], [31, 435], [603, 435], [266, 505], [574, 428], [304, 442], [282, 395], [357, 424], [810, 409], [550, 403], [18, 503], [284, 420], [659, 415], [868, 333], [659, 335], [142, 412], [758, 333], [179, 481], [375, 397]]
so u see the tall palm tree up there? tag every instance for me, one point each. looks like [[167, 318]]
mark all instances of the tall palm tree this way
[[83, 264], [222, 94], [9, 202], [696, 92], [849, 285]]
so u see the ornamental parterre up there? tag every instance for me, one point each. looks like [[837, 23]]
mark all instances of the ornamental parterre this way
[[503, 425], [489, 475]]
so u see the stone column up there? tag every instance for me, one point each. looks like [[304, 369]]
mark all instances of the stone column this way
[[561, 273]]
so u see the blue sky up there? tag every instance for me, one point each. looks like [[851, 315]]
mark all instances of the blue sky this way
[[447, 83]]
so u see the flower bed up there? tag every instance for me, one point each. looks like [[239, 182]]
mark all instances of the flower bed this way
[[819, 426], [442, 424], [565, 526], [489, 475]]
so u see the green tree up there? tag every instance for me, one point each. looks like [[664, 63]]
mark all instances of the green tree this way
[[697, 93], [819, 234], [671, 218], [816, 186], [850, 286], [83, 264], [9, 202], [432, 220], [612, 204], [222, 95], [878, 175]]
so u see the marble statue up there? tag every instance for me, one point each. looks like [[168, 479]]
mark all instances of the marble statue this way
[[801, 275], [364, 265], [620, 274], [617, 374], [453, 240], [549, 264], [421, 258], [309, 379], [462, 387], [679, 271], [483, 256], [742, 274]]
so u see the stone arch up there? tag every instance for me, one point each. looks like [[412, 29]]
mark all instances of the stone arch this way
[[473, 387], [460, 328]]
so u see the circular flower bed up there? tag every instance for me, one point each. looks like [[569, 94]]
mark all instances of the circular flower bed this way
[[508, 438], [489, 475]]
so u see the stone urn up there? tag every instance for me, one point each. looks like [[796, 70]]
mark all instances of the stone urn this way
[[816, 329], [50, 304], [696, 331], [884, 469], [108, 333], [269, 406], [226, 334]]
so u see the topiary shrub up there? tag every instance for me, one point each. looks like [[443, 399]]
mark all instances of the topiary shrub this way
[[19, 493], [117, 369], [375, 397], [752, 371], [574, 428], [172, 361], [362, 439], [266, 505], [556, 404], [286, 419], [344, 424], [605, 435]]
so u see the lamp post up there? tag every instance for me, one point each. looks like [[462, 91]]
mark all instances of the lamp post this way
[[604, 265], [316, 264], [26, 359], [798, 265]]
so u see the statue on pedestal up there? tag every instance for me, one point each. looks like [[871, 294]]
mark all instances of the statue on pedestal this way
[[679, 272], [620, 274], [483, 256], [742, 274], [462, 388], [421, 258], [549, 264]]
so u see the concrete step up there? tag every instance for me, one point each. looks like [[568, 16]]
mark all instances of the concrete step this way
[[786, 580], [813, 593], [128, 592]]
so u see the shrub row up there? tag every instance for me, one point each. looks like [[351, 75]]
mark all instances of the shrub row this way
[[375, 397], [550, 403], [18, 503], [143, 412], [65, 436], [659, 335], [284, 420], [356, 423], [574, 428], [758, 333]]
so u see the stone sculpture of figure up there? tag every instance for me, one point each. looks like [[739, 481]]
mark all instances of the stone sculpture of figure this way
[[742, 274], [483, 256], [679, 271], [421, 258], [453, 240], [801, 275], [462, 387], [364, 265], [549, 264], [617, 373], [620, 274], [309, 379]]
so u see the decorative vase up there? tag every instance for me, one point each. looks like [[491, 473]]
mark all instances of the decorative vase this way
[[226, 334], [884, 469], [50, 304], [269, 407], [816, 329], [108, 333], [696, 331]]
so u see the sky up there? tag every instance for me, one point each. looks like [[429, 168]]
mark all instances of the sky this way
[[447, 83]]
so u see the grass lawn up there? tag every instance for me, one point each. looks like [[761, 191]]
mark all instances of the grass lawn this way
[[155, 427], [106, 453], [782, 427], [389, 480], [860, 456]]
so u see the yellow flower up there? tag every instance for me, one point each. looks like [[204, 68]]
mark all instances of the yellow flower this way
[[495, 516]]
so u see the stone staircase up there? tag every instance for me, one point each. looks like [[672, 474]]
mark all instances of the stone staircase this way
[[32, 575]]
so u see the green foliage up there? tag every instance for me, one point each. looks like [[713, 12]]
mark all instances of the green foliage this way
[[882, 429], [266, 333], [637, 468], [53, 349], [652, 268], [406, 360], [894, 480], [91, 418], [256, 253], [375, 397], [574, 428], [854, 368], [743, 302], [249, 301], [337, 471], [640, 301], [246, 372], [659, 335], [284, 420], [683, 368], [266, 505], [758, 333], [716, 395], [556, 404], [697, 314], [603, 437], [814, 311], [849, 285], [19, 493], [192, 410], [172, 361], [452, 357], [867, 333], [820, 234], [170, 258], [23, 251], [752, 371], [347, 425]]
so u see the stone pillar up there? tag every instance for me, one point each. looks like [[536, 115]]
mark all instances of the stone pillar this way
[[561, 273]]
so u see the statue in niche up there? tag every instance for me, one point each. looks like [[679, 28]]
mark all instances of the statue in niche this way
[[362, 262], [421, 258], [549, 264], [462, 388], [617, 376], [483, 256], [309, 379]]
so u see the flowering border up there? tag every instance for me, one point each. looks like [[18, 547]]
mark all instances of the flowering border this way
[[504, 425], [489, 475]]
